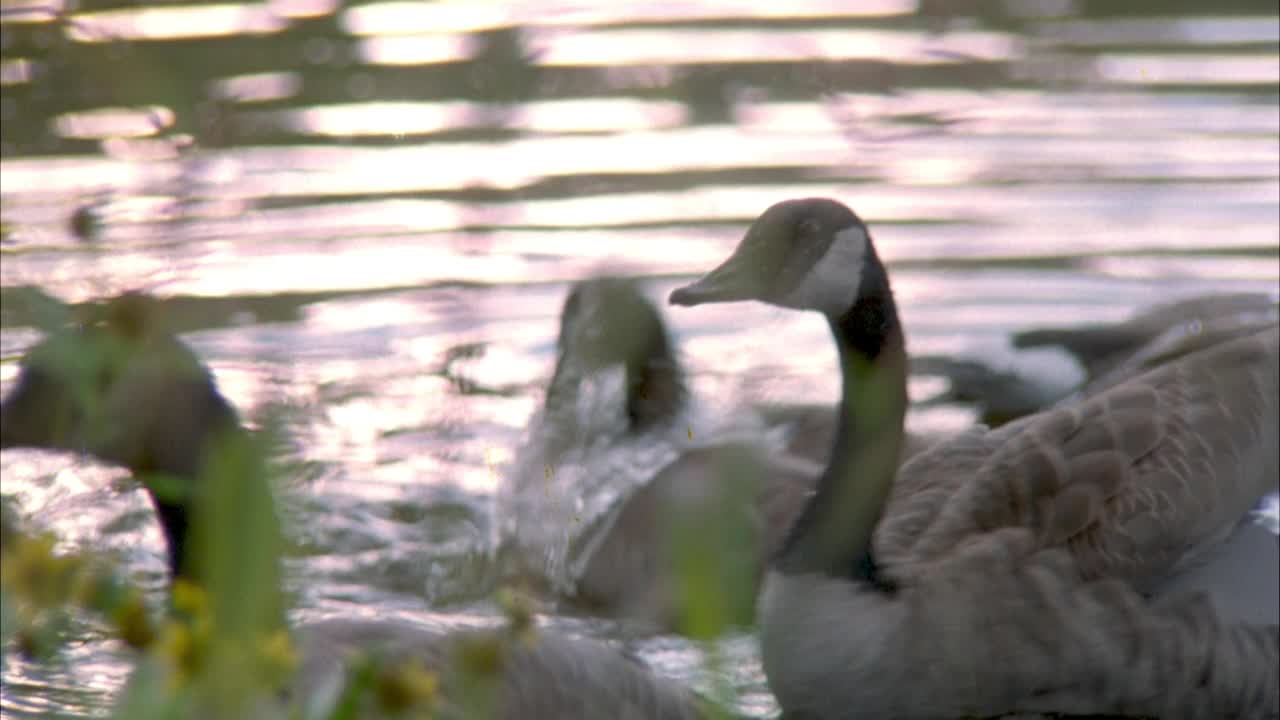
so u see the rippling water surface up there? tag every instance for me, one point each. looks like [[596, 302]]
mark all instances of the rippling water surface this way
[[365, 218]]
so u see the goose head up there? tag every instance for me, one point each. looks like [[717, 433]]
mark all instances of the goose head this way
[[816, 254], [608, 322], [805, 254]]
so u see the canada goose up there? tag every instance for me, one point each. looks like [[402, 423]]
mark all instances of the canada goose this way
[[123, 390], [1106, 353], [1159, 332], [606, 482], [1002, 576]]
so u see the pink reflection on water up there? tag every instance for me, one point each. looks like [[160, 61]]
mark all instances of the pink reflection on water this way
[[707, 45], [175, 21], [1144, 69], [258, 87], [392, 18], [16, 71], [420, 49], [113, 122]]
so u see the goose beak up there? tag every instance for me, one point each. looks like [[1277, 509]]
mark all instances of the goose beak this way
[[727, 283]]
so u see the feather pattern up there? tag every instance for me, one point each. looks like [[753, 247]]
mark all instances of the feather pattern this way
[[1135, 481], [1000, 572]]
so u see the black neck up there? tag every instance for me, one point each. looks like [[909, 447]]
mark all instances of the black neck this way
[[655, 387], [173, 460], [217, 510], [172, 515], [833, 535]]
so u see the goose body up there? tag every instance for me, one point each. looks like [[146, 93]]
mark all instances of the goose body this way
[[1003, 571], [126, 392], [544, 676], [1137, 481]]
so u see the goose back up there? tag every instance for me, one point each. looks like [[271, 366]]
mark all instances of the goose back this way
[[998, 614], [729, 504], [615, 409], [1137, 480]]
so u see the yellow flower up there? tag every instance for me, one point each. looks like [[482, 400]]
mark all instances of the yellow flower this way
[[277, 655], [519, 611], [133, 623], [480, 656], [406, 685], [189, 598], [85, 587], [31, 570], [179, 647]]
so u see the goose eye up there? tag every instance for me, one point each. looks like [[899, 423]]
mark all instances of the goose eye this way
[[807, 227]]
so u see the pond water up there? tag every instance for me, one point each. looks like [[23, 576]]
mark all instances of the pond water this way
[[365, 218]]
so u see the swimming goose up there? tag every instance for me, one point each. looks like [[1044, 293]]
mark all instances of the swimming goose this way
[[610, 475], [122, 390], [1160, 332], [1002, 575], [1106, 353], [1158, 335]]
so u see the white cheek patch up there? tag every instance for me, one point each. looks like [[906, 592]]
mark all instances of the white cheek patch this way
[[832, 284]]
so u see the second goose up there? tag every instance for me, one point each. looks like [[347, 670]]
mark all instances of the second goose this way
[[1003, 576], [616, 489]]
